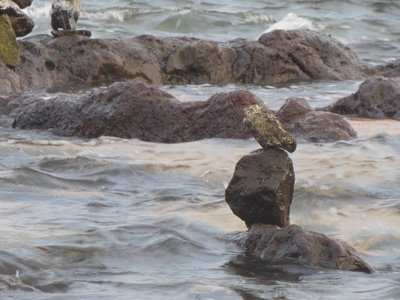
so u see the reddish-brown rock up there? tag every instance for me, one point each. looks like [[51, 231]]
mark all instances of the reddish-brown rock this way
[[376, 98], [302, 121], [135, 110], [261, 189]]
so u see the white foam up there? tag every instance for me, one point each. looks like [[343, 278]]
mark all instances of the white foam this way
[[39, 12], [292, 21]]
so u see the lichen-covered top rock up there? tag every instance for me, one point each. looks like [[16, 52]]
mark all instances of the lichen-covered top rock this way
[[9, 50], [267, 129]]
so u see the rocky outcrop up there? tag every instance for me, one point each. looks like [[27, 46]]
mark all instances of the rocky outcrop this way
[[303, 122], [277, 57], [9, 51], [376, 98], [267, 129], [261, 188], [135, 110], [293, 244]]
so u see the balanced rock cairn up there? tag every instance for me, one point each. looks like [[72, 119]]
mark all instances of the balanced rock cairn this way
[[64, 15], [261, 189], [13, 23], [260, 193]]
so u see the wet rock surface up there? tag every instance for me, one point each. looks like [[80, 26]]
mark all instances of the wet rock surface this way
[[261, 189], [376, 98], [296, 245], [303, 122], [48, 62], [135, 110], [267, 129]]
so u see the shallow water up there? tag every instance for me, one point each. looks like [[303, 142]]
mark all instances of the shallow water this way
[[113, 218]]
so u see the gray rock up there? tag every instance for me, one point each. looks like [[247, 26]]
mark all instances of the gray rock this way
[[65, 14], [295, 245], [376, 98], [134, 110], [301, 120], [10, 8], [267, 129], [261, 189]]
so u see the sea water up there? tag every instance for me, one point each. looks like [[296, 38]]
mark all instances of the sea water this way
[[112, 218]]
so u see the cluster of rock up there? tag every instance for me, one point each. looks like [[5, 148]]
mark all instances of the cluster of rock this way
[[13, 23], [260, 193], [277, 57], [133, 109]]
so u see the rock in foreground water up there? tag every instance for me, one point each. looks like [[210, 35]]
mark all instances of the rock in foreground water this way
[[376, 98], [301, 120], [267, 129], [261, 189], [295, 245], [135, 110]]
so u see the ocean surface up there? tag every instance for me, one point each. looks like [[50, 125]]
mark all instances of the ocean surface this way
[[112, 218]]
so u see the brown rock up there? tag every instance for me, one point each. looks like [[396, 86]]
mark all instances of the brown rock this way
[[301, 120], [22, 25], [293, 244], [261, 189], [49, 62], [376, 98], [267, 129], [134, 110]]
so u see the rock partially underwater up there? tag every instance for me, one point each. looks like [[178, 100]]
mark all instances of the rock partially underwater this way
[[277, 57], [295, 245], [135, 110], [376, 98]]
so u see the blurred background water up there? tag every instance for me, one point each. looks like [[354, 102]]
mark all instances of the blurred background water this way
[[113, 218]]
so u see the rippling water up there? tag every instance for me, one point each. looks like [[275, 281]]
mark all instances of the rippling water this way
[[124, 219]]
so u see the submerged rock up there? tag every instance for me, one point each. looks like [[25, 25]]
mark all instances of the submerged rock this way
[[261, 189], [301, 120], [295, 245], [135, 110], [49, 62], [267, 129], [376, 98], [9, 50], [65, 14]]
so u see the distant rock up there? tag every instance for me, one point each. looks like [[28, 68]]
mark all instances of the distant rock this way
[[261, 189], [295, 245], [302, 121], [278, 57], [9, 50], [135, 110], [267, 129], [376, 98], [65, 14]]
